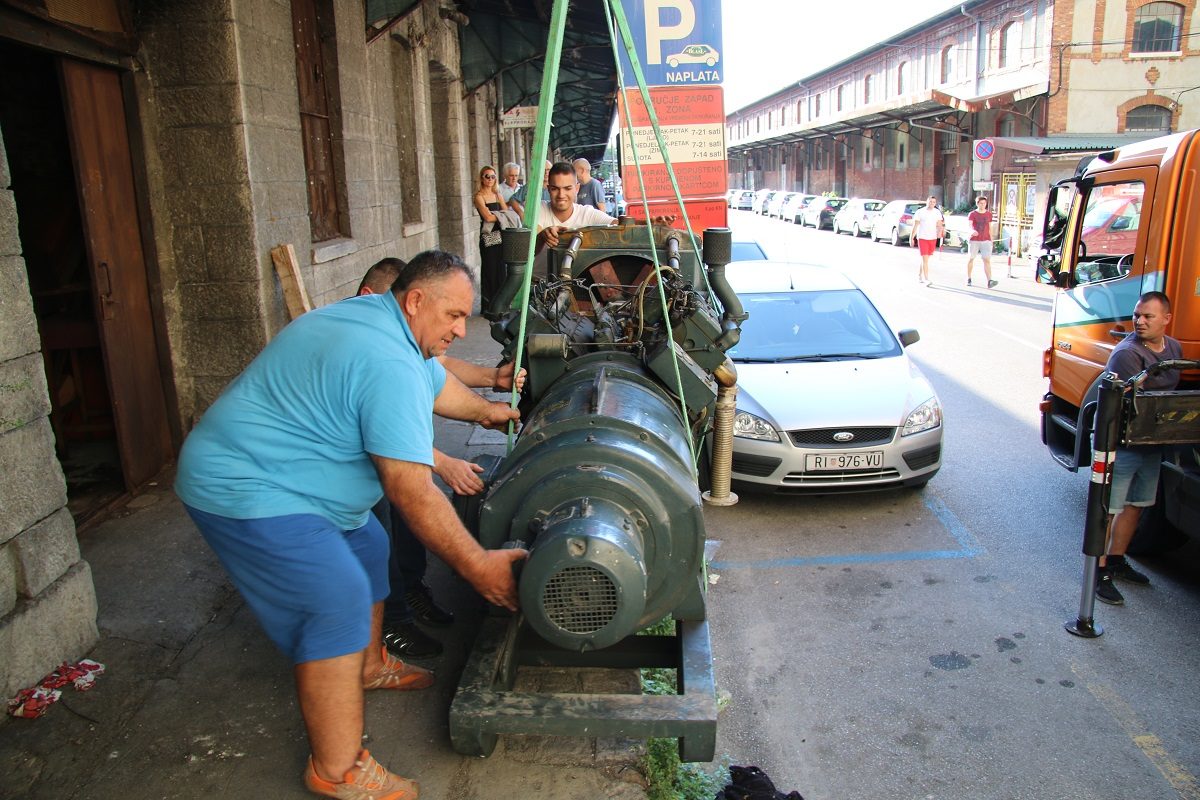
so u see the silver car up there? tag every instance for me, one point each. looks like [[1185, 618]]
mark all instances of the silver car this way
[[894, 222], [857, 216], [828, 399]]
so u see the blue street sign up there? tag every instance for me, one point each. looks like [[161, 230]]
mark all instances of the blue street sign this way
[[678, 42], [984, 149]]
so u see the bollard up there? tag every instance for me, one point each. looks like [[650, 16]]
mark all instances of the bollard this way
[[1095, 528]]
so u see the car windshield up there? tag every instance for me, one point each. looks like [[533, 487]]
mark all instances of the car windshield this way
[[829, 325], [875, 205], [748, 251], [836, 202]]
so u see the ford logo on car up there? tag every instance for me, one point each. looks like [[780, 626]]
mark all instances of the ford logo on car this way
[[843, 436]]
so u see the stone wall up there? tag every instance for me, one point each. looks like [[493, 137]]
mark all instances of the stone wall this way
[[220, 115], [47, 602]]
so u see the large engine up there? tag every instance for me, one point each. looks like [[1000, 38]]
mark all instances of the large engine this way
[[601, 486]]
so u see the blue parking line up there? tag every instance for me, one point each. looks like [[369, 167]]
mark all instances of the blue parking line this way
[[969, 547]]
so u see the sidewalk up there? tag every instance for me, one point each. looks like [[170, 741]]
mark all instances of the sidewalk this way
[[196, 702]]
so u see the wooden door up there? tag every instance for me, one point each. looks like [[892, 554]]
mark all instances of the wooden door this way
[[95, 113]]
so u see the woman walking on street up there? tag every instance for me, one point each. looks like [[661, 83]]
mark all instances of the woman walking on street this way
[[488, 200]]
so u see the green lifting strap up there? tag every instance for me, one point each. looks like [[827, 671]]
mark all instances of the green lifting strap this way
[[541, 142], [540, 148]]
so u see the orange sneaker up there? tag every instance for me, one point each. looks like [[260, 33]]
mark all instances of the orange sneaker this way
[[395, 674], [370, 782]]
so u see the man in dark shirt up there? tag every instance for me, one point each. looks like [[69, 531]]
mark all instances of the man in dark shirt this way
[[1135, 470]]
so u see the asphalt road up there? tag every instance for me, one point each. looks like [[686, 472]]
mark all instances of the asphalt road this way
[[910, 644]]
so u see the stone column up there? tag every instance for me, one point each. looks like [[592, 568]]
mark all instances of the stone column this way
[[47, 600]]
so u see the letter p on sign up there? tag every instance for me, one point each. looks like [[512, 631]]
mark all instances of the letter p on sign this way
[[657, 32]]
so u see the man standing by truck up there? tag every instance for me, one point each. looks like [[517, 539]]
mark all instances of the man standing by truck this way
[[1136, 469]]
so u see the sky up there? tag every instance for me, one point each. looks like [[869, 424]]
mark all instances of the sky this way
[[768, 44]]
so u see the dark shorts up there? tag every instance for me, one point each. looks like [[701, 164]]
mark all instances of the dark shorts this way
[[310, 584]]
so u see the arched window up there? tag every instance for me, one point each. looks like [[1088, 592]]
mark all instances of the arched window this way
[[1152, 119], [947, 71], [902, 78], [840, 93], [1010, 44], [817, 107], [1156, 28], [867, 81]]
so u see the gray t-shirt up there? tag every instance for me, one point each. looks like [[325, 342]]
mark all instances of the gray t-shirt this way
[[1130, 357], [590, 194]]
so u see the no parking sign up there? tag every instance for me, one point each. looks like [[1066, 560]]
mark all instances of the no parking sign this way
[[984, 149]]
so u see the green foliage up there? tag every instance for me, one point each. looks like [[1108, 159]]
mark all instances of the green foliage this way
[[667, 776]]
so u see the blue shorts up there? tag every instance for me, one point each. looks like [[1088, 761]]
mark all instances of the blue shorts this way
[[310, 584], [1134, 479]]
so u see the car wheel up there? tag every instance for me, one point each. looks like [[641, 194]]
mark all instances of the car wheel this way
[[712, 62], [673, 62], [895, 237], [856, 231]]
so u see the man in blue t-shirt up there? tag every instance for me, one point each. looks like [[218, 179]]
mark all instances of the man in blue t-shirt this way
[[280, 473], [1135, 470]]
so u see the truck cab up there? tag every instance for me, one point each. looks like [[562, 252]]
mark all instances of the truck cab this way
[[1128, 222]]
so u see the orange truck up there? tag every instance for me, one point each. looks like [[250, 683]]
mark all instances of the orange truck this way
[[1128, 222]]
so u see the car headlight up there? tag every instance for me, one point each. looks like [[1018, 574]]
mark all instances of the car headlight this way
[[748, 426], [924, 417]]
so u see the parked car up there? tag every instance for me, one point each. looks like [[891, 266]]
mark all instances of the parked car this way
[[894, 222], [794, 205], [958, 231], [730, 197], [761, 208], [857, 216], [748, 251], [744, 200], [760, 199], [775, 206], [877, 421], [819, 213]]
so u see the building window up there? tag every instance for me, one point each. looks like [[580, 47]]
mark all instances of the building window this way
[[901, 149], [817, 107], [1010, 44], [1007, 126], [867, 81], [867, 153], [799, 109], [840, 92], [1156, 28], [947, 71], [313, 35], [902, 78], [1151, 119]]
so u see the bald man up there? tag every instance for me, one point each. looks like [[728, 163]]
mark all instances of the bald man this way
[[590, 192]]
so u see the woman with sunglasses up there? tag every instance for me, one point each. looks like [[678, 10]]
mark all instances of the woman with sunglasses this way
[[488, 200]]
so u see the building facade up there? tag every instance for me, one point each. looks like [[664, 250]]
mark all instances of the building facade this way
[[154, 154], [1047, 81]]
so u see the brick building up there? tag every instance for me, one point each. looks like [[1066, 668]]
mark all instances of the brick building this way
[[1049, 81]]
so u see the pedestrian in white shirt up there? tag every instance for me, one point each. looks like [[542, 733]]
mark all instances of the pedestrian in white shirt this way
[[928, 228]]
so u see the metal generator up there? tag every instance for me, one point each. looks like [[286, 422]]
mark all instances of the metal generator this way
[[625, 383]]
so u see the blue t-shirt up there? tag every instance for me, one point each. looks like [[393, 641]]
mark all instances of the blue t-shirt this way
[[292, 433]]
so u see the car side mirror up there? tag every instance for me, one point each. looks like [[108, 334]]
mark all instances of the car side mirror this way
[[909, 336]]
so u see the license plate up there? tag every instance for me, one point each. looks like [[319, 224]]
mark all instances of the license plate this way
[[826, 462]]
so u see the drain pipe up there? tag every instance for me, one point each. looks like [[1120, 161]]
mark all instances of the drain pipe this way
[[718, 252], [721, 469]]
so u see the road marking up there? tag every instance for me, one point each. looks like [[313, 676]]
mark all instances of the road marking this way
[[1184, 782], [968, 547]]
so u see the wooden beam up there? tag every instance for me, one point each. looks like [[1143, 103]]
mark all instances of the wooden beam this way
[[294, 294]]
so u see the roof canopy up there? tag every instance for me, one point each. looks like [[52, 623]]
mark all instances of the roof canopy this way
[[508, 38]]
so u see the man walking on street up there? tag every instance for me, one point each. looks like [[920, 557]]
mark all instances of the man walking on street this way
[[928, 228], [981, 240], [1135, 470]]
